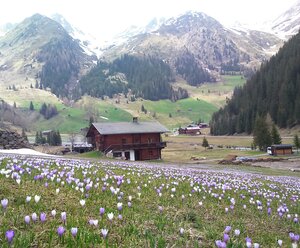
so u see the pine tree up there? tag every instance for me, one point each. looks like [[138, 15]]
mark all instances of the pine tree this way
[[37, 138], [296, 142], [59, 141], [91, 120], [261, 134], [276, 139], [205, 142], [24, 134], [31, 107]]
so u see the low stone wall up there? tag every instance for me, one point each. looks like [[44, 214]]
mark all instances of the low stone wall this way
[[12, 140]]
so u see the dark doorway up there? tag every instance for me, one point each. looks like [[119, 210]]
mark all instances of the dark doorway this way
[[137, 155], [127, 155]]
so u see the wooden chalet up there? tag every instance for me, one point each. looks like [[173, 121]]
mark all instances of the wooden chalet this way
[[128, 140], [190, 130], [282, 149]]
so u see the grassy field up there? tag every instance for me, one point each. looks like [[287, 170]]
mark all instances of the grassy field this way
[[119, 204], [183, 148], [214, 93]]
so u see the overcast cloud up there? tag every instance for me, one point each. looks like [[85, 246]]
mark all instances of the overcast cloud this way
[[105, 18]]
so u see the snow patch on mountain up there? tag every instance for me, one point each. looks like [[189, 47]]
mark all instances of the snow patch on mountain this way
[[87, 42]]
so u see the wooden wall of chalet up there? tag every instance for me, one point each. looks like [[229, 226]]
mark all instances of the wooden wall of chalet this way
[[283, 151], [145, 138]]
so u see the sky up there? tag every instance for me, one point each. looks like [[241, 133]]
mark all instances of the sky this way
[[105, 18]]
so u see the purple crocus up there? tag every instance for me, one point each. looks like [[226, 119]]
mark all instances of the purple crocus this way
[[102, 211], [9, 234], [226, 237], [34, 217], [60, 231], [64, 216], [43, 217], [104, 232], [227, 229], [27, 219], [4, 203], [220, 244]]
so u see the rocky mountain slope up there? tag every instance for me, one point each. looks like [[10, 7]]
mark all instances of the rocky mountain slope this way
[[287, 24], [39, 51], [213, 46]]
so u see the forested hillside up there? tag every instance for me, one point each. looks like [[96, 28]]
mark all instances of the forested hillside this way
[[273, 90], [145, 77]]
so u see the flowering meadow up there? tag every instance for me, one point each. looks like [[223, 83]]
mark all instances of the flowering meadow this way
[[78, 203]]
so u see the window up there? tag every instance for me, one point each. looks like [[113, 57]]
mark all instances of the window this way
[[123, 141]]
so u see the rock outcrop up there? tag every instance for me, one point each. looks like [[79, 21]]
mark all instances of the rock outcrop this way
[[12, 140]]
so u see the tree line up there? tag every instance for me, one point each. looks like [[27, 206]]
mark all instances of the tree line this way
[[144, 76], [52, 138], [273, 90]]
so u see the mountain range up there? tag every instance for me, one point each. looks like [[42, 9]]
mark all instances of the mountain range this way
[[49, 53]]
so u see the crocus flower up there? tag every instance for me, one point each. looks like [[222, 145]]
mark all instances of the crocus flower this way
[[43, 217], [28, 199], [279, 242], [74, 231], [181, 231], [27, 219], [9, 235], [102, 211], [82, 202], [34, 217], [37, 198], [110, 216], [119, 206], [237, 232], [53, 213], [226, 237], [220, 244], [104, 232], [227, 229], [129, 204], [160, 208], [4, 203], [256, 245], [57, 191], [60, 231], [63, 216]]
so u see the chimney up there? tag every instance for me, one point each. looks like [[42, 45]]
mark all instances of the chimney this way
[[135, 120]]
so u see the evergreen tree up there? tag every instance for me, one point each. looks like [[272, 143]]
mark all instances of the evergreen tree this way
[[31, 107], [296, 142], [37, 138], [276, 139], [24, 134], [261, 134], [205, 142], [91, 120], [58, 141]]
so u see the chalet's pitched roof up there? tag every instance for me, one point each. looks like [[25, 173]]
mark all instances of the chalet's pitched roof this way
[[129, 127]]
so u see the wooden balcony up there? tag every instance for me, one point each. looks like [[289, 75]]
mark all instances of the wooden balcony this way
[[135, 146]]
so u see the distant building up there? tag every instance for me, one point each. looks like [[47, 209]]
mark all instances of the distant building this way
[[128, 140], [280, 150], [191, 129]]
